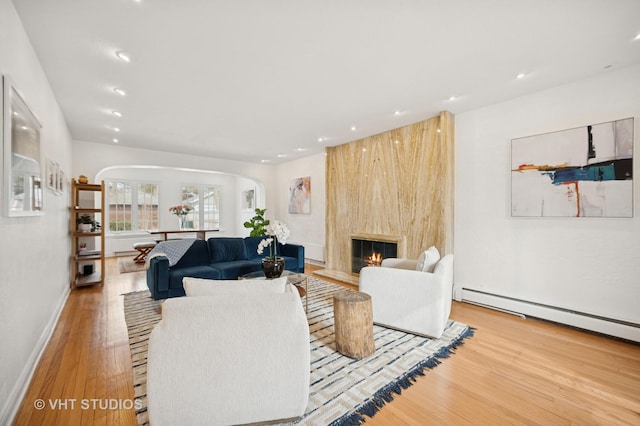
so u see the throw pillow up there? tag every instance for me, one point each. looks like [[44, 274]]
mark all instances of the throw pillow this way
[[203, 287], [428, 259]]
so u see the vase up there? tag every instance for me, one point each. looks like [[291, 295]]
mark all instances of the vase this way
[[271, 267], [181, 223]]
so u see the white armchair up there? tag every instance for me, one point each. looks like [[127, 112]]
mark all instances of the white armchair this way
[[408, 299], [232, 358]]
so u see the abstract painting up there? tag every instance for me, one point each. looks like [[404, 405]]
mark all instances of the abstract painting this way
[[581, 172], [249, 200], [300, 196]]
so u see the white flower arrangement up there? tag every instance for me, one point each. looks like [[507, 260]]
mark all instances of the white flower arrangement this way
[[278, 231], [264, 244]]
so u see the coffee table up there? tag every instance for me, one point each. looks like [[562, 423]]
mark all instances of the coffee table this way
[[293, 278]]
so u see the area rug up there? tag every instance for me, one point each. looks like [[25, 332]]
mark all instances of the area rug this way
[[343, 390], [126, 264]]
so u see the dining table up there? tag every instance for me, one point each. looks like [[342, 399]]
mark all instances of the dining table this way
[[201, 234]]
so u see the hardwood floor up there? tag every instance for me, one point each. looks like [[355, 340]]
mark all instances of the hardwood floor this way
[[513, 371]]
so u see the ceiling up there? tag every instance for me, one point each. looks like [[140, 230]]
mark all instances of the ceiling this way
[[276, 80]]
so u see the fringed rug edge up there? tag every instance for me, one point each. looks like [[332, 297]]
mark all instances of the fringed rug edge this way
[[386, 394]]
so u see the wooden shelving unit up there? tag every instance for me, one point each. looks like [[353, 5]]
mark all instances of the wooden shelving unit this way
[[87, 262]]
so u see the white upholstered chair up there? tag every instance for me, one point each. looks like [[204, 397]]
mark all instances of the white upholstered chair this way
[[229, 358], [411, 300]]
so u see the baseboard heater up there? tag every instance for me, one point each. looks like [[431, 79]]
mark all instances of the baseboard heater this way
[[626, 330]]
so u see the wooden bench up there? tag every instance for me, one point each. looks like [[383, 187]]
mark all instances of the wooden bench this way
[[144, 248]]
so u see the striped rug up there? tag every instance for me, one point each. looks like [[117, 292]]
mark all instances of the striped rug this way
[[343, 390]]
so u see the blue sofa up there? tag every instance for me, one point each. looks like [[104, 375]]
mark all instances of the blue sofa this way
[[216, 259]]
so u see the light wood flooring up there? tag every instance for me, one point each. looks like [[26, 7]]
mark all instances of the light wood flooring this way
[[513, 371]]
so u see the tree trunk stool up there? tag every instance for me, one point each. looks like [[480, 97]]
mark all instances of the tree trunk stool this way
[[144, 248], [353, 324]]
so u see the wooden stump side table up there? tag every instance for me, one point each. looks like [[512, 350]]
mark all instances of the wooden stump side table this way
[[353, 324]]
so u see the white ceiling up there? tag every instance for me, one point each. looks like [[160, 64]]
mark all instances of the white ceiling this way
[[255, 80]]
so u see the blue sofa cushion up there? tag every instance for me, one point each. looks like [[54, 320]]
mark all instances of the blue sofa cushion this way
[[251, 244], [207, 272], [196, 255], [225, 249], [291, 263], [235, 269]]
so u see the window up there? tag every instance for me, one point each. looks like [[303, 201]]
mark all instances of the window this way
[[205, 201], [132, 206]]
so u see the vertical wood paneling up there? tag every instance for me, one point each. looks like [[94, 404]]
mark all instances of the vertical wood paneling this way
[[395, 183]]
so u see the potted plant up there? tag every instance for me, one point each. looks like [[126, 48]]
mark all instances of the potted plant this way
[[86, 223], [272, 265], [258, 224]]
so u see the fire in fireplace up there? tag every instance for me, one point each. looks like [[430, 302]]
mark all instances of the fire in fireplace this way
[[370, 253], [375, 259]]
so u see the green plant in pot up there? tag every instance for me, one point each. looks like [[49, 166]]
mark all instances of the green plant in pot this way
[[86, 223], [258, 224]]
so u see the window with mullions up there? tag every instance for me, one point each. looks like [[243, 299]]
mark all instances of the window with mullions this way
[[205, 201], [132, 206]]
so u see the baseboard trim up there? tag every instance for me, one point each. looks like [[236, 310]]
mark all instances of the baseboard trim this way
[[10, 410], [610, 326]]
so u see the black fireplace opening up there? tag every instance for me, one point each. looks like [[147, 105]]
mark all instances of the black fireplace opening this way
[[370, 253]]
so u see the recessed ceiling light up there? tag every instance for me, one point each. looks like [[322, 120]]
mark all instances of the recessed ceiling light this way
[[264, 161], [637, 37], [438, 130], [520, 76], [301, 149], [123, 56], [396, 112], [320, 139], [353, 128], [282, 155], [117, 113], [115, 140], [115, 129], [452, 98], [120, 91]]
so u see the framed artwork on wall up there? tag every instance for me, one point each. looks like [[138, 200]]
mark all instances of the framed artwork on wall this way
[[59, 181], [22, 175], [54, 177], [249, 200], [581, 172], [51, 174], [300, 195]]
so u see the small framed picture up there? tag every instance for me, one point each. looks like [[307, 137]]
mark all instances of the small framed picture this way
[[249, 200], [51, 175], [59, 181]]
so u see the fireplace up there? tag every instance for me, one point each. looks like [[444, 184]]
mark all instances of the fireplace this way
[[370, 250]]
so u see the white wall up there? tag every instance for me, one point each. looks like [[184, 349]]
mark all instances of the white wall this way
[[98, 161], [170, 181], [102, 161], [590, 265], [34, 251], [306, 229]]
